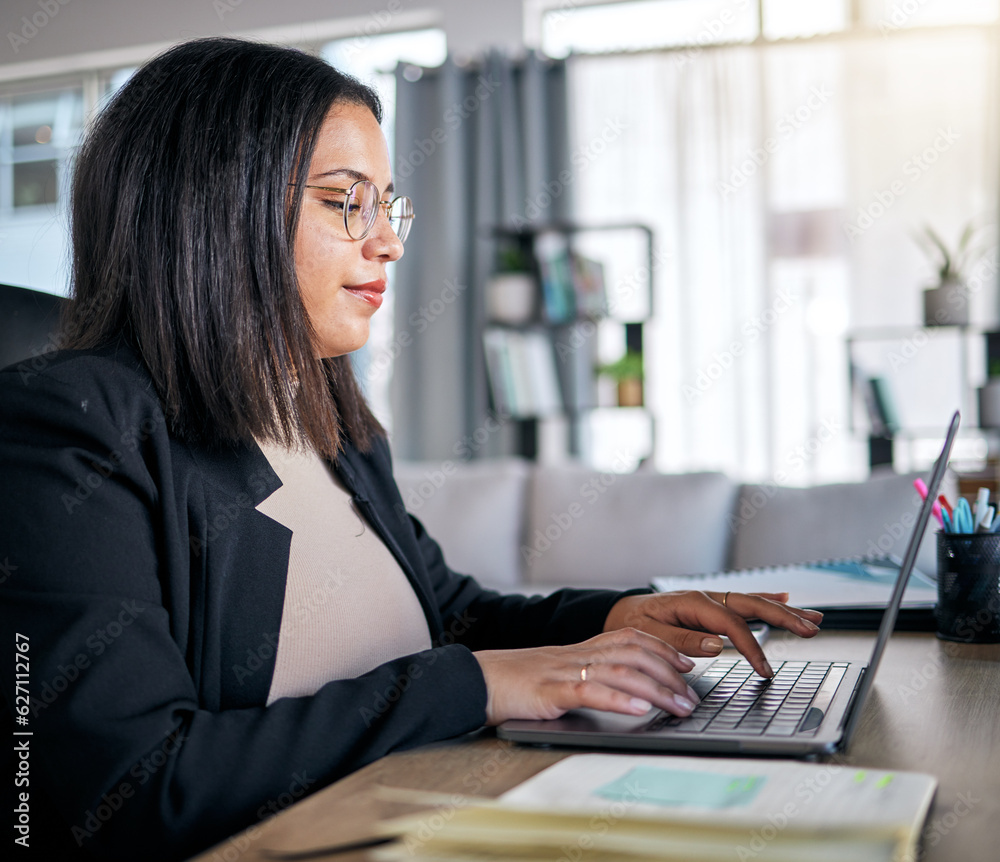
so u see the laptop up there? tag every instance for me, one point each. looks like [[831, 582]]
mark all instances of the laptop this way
[[806, 708]]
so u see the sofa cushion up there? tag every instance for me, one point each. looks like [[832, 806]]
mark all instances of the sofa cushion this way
[[775, 525], [612, 530], [475, 511]]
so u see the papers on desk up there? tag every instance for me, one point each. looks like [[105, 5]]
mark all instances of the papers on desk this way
[[836, 584], [607, 806]]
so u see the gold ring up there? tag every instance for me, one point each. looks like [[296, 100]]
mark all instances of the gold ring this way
[[725, 599], [583, 673]]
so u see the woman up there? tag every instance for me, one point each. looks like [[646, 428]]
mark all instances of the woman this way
[[223, 598]]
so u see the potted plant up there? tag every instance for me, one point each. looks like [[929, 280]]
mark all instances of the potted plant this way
[[512, 291], [947, 302], [627, 373]]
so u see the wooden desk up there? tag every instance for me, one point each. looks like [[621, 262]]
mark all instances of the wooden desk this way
[[935, 709]]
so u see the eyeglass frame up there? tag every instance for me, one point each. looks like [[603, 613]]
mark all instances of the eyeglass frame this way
[[387, 205]]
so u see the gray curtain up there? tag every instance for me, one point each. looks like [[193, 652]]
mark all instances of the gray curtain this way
[[478, 146]]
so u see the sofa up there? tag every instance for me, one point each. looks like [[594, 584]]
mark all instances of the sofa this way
[[523, 527]]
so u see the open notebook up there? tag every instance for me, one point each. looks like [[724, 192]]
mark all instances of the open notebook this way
[[852, 593]]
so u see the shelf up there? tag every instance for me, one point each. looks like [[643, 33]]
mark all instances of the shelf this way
[[568, 284]]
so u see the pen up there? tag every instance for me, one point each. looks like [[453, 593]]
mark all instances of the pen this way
[[963, 517]]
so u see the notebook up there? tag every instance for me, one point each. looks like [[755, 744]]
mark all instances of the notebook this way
[[808, 707], [683, 809], [852, 593]]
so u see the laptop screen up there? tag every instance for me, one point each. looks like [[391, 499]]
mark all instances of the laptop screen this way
[[892, 611]]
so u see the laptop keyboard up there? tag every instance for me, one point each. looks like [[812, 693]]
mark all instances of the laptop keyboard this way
[[734, 700]]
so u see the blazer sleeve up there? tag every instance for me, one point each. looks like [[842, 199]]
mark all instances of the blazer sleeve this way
[[114, 710], [481, 618]]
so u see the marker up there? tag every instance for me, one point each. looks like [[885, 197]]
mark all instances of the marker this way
[[982, 506], [921, 487], [945, 505]]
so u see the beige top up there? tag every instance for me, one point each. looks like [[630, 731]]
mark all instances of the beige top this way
[[348, 605]]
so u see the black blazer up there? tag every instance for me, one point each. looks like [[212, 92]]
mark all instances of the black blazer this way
[[148, 591]]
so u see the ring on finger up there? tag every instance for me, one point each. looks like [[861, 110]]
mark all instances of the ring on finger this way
[[583, 672], [725, 599]]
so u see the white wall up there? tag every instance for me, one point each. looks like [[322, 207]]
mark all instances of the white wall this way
[[80, 26]]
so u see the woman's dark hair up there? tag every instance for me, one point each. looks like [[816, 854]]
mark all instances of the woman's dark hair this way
[[183, 224]]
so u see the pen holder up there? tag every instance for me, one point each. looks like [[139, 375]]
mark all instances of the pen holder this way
[[968, 608]]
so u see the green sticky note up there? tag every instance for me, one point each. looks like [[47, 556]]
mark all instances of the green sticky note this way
[[675, 787]]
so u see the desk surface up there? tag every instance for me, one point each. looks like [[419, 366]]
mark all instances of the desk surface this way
[[935, 708]]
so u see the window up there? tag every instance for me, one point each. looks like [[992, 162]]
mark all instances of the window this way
[[764, 170], [40, 130], [560, 26], [645, 24]]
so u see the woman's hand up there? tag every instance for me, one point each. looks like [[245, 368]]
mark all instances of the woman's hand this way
[[691, 620], [624, 671]]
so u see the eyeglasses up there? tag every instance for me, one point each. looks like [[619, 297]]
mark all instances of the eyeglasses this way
[[361, 204]]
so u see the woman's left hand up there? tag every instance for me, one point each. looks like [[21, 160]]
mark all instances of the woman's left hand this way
[[691, 620]]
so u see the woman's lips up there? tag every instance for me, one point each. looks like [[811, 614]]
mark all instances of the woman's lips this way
[[370, 292]]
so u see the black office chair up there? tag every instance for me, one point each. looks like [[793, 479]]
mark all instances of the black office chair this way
[[29, 321]]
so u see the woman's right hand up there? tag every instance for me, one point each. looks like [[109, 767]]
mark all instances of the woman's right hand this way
[[627, 671]]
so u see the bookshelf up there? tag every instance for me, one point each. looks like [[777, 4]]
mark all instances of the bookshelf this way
[[577, 295], [928, 372]]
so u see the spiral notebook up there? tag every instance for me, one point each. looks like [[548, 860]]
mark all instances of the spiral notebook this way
[[852, 593]]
